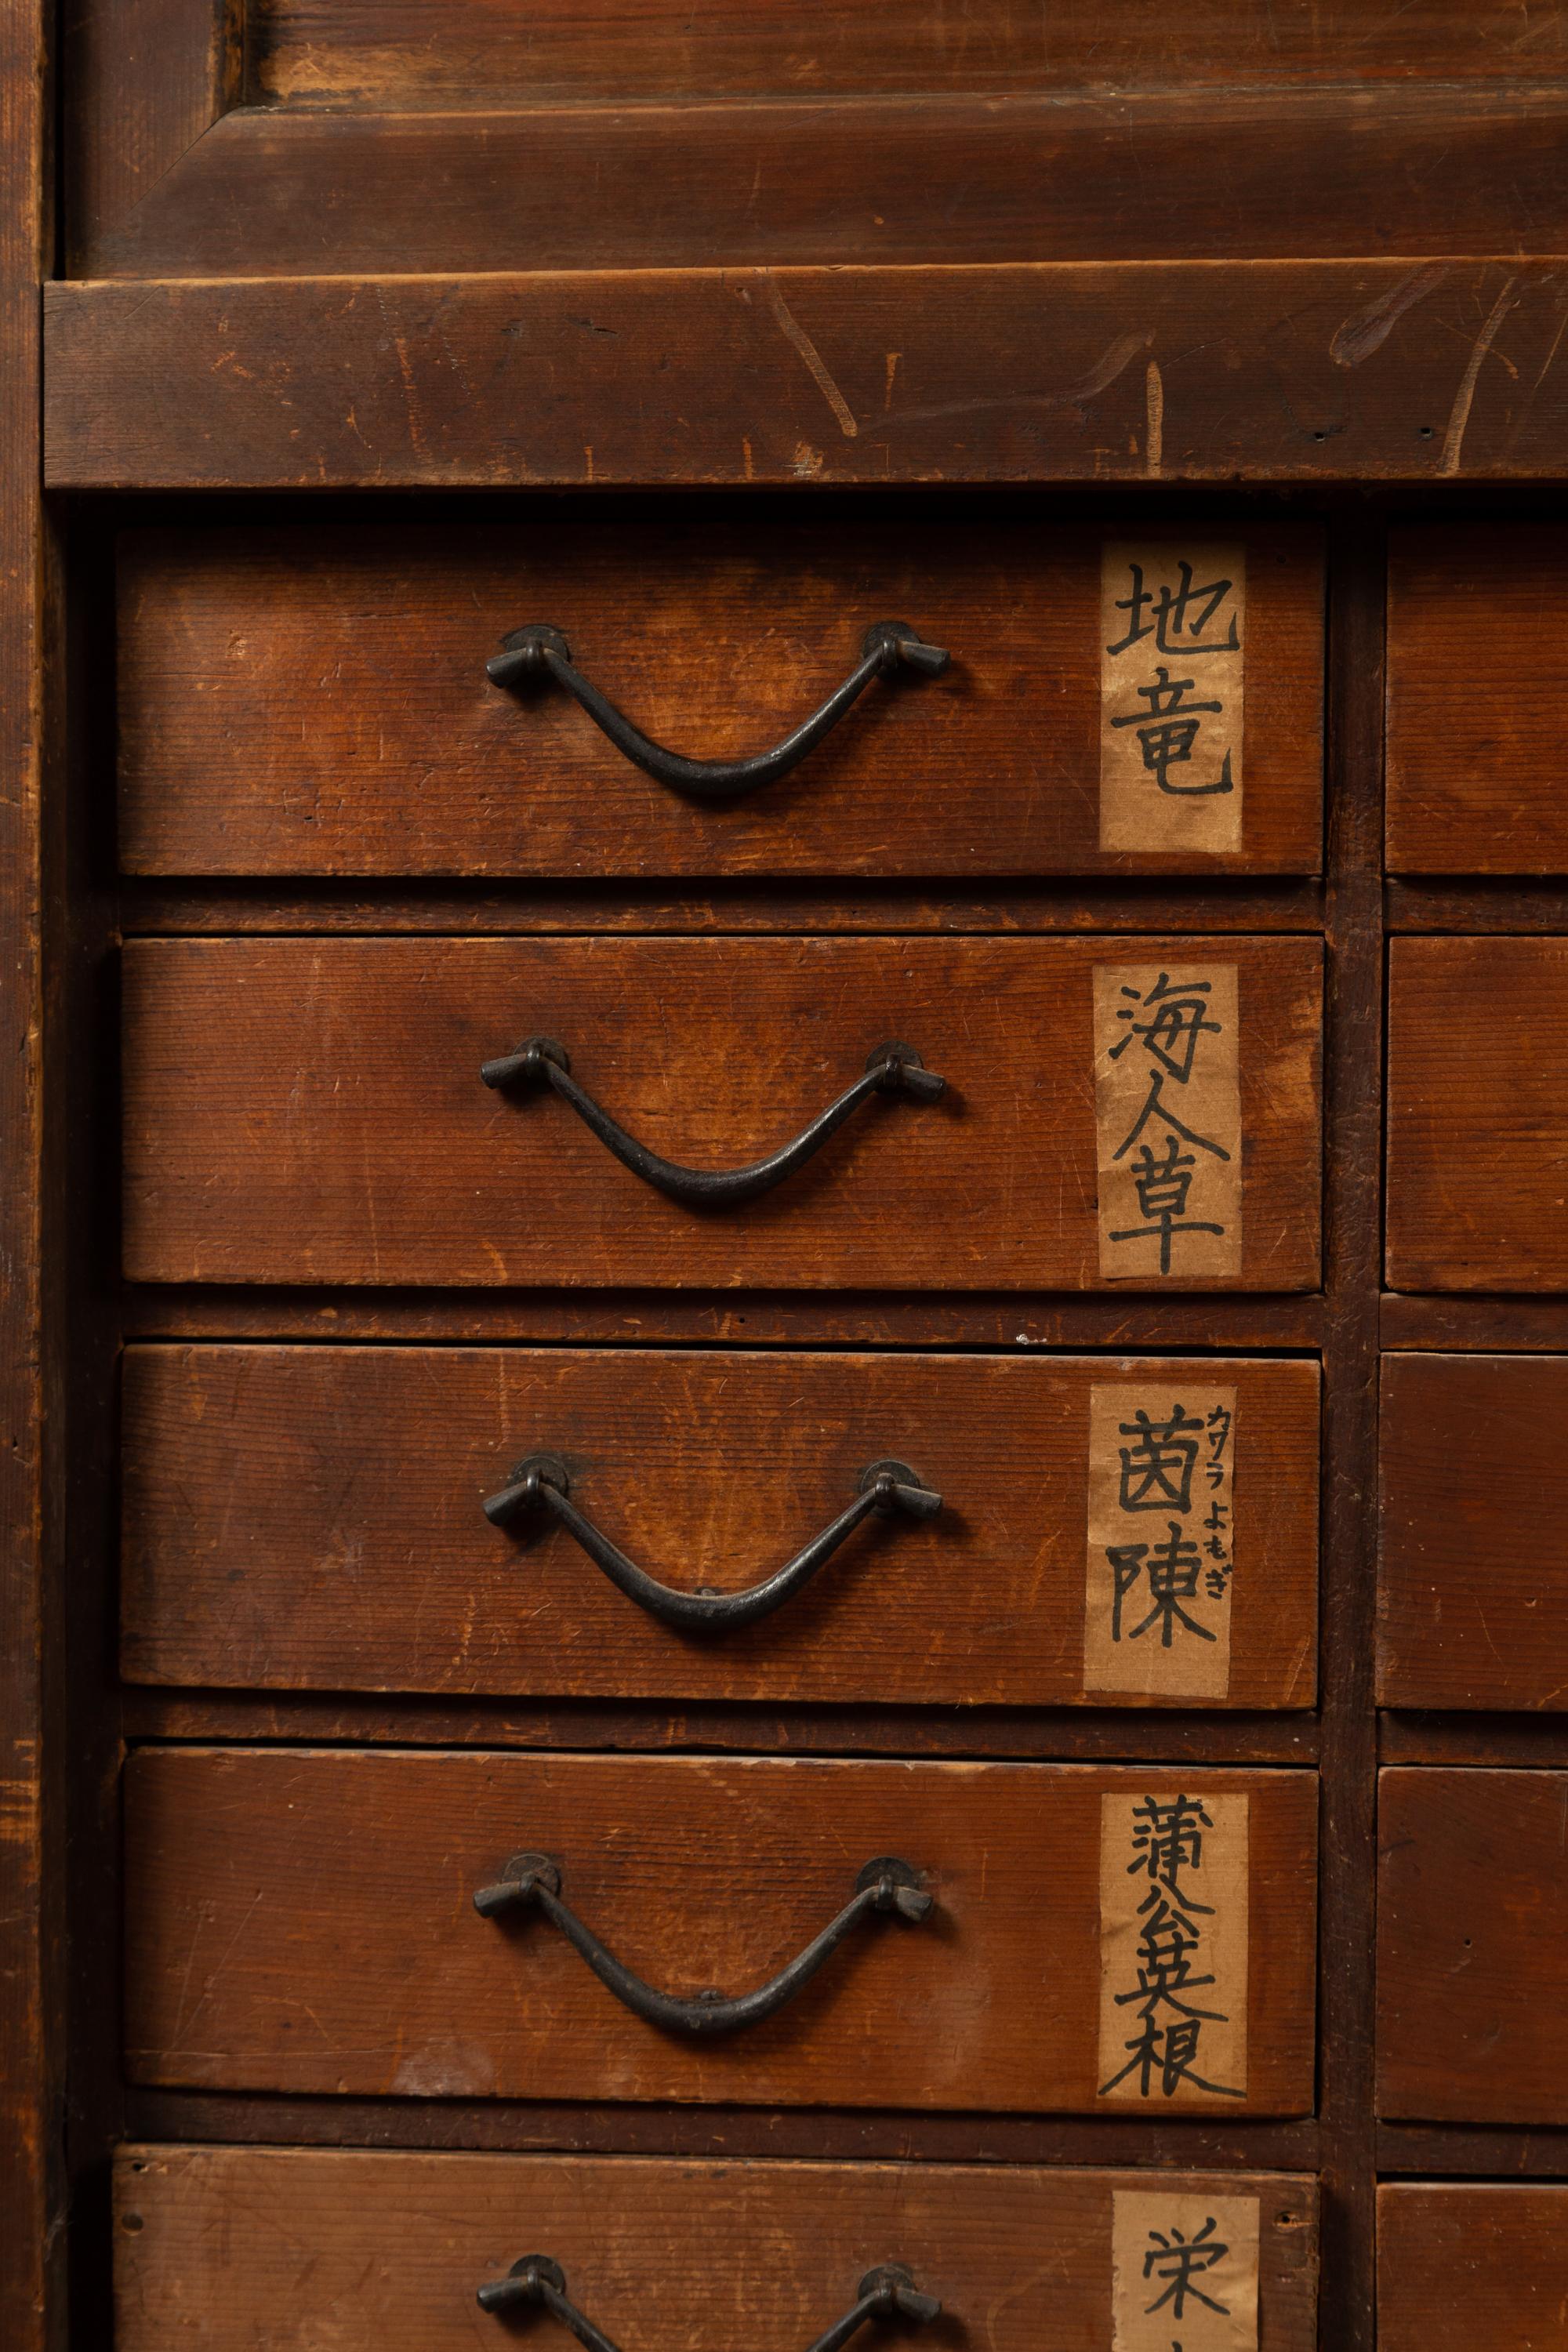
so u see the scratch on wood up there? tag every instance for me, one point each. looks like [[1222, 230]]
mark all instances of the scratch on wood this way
[[812, 356], [1459, 416], [893, 359], [1155, 396], [1365, 331]]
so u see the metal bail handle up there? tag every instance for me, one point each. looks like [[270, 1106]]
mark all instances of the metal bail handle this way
[[891, 1069], [543, 1484], [887, 1885], [538, 653], [889, 2292]]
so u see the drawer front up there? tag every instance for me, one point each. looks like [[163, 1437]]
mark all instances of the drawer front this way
[[1473, 1590], [1477, 1117], [312, 1111], [316, 702], [388, 2251], [1472, 1927], [323, 1904], [1465, 2263], [1477, 672], [1114, 1531]]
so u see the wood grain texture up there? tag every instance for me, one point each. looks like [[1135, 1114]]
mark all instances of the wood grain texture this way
[[313, 1112], [144, 79], [1472, 1917], [707, 2254], [302, 1921], [1473, 1589], [310, 702], [1478, 1119], [1408, 169], [1311, 371], [1477, 669], [1468, 2263], [402, 53], [308, 1518]]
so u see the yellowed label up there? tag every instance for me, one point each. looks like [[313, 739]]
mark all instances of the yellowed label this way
[[1167, 1099], [1160, 1554], [1174, 1900], [1172, 642], [1183, 2273]]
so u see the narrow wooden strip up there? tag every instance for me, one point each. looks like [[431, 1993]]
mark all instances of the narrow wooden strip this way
[[1308, 371], [1417, 1737], [1499, 1325], [930, 178], [1462, 2150]]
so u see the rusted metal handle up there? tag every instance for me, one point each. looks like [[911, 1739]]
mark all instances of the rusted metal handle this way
[[887, 1884], [886, 2292], [537, 654], [891, 1069], [542, 1483]]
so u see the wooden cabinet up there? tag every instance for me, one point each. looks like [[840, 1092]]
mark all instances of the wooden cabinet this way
[[764, 2254], [1465, 2262]]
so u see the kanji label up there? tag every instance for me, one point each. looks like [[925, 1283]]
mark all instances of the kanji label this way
[[1173, 1901], [1160, 1553], [1183, 2273], [1167, 1097], [1172, 642]]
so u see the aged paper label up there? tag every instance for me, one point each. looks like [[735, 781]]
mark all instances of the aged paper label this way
[[1173, 640], [1160, 1553], [1184, 2272], [1173, 1898], [1167, 1103]]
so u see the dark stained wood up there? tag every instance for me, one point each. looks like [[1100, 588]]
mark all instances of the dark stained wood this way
[[1499, 1325], [1415, 1736], [315, 702], [1308, 371], [308, 1518], [1472, 1918], [1471, 2263], [1054, 1735], [761, 2254], [302, 1921], [510, 2127], [143, 81], [392, 55], [1262, 174], [1473, 1588], [314, 1113], [32, 1776], [1478, 1118], [1477, 667]]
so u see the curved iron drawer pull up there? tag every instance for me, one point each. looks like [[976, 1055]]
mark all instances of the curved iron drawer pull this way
[[886, 2292], [885, 1884], [529, 657], [891, 1069], [542, 1483]]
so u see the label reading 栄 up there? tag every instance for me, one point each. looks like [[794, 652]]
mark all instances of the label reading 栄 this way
[[1183, 2273], [1172, 638]]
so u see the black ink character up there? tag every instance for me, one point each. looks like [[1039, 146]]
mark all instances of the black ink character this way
[[1180, 616], [1179, 1010], [1157, 1467], [1180, 2261], [1173, 1567], [1167, 732], [1168, 1838]]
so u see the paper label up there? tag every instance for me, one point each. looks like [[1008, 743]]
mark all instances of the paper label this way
[[1167, 1097], [1160, 1553], [1172, 646], [1183, 2273], [1173, 1898]]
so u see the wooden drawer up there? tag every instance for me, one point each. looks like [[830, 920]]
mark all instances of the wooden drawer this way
[[309, 1517], [305, 1921], [300, 1111], [388, 2250], [1464, 2264], [1477, 1117], [1473, 1587], [298, 702], [1477, 672], [1472, 1927]]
